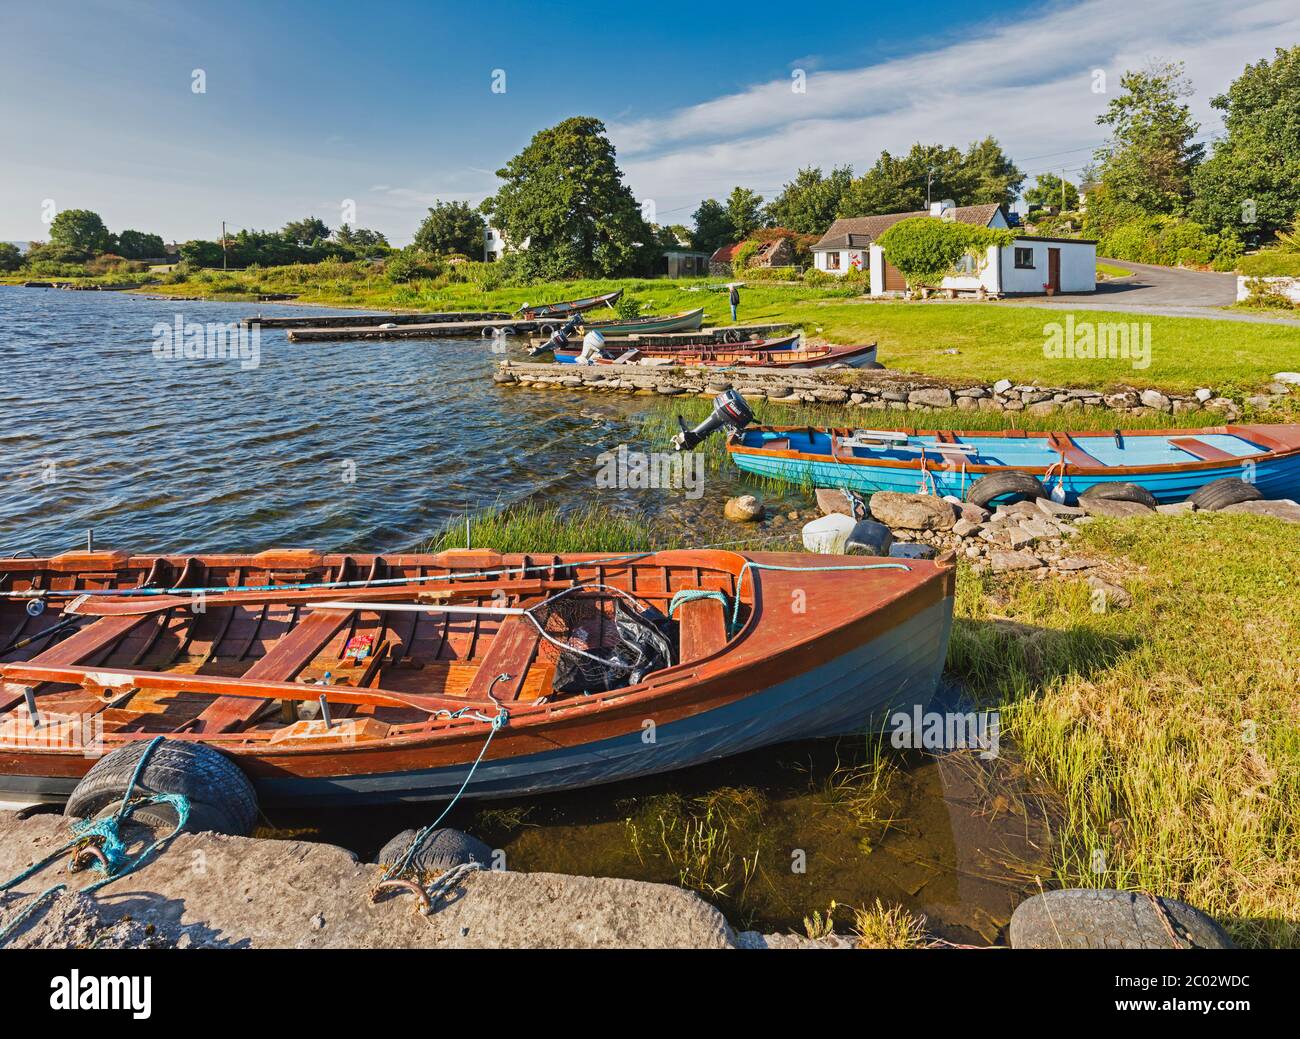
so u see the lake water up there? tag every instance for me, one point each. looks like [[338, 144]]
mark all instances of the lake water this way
[[375, 446], [334, 446]]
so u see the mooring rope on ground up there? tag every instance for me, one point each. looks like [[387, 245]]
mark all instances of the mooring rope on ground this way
[[110, 854]]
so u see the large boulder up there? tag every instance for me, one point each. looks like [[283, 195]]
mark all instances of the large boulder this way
[[846, 503], [1114, 508], [912, 511], [744, 509], [1283, 510]]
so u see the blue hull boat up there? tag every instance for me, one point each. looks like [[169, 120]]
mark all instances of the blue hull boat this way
[[1171, 464]]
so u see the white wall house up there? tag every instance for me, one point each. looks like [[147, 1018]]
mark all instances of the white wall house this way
[[495, 244], [1023, 268]]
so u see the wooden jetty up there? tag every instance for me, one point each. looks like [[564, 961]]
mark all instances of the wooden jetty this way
[[429, 330], [371, 320]]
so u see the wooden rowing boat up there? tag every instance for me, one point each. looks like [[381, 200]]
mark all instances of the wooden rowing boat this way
[[569, 355], [407, 719], [1171, 463], [567, 307], [685, 321], [785, 354]]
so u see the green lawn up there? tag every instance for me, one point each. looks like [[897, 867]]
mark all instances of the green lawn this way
[[992, 341], [1109, 270]]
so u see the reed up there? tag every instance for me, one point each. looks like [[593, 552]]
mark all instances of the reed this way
[[1167, 729], [532, 527]]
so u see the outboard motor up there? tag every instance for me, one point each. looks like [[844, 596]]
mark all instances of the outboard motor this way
[[559, 338], [729, 409]]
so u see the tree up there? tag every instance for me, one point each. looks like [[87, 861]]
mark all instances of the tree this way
[[1147, 165], [565, 194], [10, 258], [451, 227], [80, 230], [808, 204], [744, 213], [925, 248], [1251, 183], [306, 231], [137, 245], [712, 229], [1051, 190], [980, 175], [987, 174]]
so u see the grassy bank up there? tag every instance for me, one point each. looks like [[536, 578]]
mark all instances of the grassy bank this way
[[964, 340], [1168, 729]]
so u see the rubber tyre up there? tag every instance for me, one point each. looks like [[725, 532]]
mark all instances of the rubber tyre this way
[[1083, 918], [441, 850], [221, 797], [1121, 492], [1019, 486], [1222, 493]]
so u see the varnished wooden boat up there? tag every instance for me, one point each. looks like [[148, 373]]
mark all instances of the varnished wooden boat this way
[[685, 321], [784, 354], [1171, 463], [568, 307], [124, 666]]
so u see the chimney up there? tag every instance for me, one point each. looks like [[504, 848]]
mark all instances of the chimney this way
[[938, 208]]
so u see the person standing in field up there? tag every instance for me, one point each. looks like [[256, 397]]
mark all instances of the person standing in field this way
[[735, 301]]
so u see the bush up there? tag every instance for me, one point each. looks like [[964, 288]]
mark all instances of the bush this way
[[1172, 242], [1265, 296], [926, 249], [773, 274]]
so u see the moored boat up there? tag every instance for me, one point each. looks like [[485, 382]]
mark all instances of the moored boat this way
[[784, 354], [685, 321], [1171, 464], [375, 678], [568, 307]]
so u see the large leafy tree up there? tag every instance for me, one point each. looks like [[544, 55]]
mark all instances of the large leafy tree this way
[[137, 245], [987, 174], [451, 227], [808, 203], [1251, 183], [712, 228], [306, 231], [565, 194], [898, 184], [10, 258], [1051, 190], [81, 230], [744, 212], [1146, 167]]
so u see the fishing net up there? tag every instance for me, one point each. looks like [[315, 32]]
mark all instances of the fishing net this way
[[602, 642]]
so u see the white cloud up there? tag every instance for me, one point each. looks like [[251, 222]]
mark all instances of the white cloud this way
[[1028, 84]]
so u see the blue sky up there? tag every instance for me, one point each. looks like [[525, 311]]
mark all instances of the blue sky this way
[[390, 105]]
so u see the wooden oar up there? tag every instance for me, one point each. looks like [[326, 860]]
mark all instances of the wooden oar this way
[[99, 607]]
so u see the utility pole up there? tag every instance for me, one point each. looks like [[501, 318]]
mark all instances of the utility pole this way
[[1062, 190], [929, 176], [223, 245]]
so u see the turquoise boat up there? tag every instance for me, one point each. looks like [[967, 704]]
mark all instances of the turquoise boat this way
[[1170, 463]]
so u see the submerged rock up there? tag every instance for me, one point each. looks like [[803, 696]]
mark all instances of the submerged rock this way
[[744, 509]]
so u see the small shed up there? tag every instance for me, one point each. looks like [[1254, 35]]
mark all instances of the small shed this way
[[684, 263]]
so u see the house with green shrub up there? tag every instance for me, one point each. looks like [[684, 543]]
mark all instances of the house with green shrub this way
[[1030, 265]]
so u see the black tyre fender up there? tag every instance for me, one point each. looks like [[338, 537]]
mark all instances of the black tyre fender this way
[[1017, 486], [221, 797], [1121, 492], [1222, 493], [545, 330], [1083, 918], [441, 850], [489, 333]]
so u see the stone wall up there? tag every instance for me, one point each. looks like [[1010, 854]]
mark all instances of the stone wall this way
[[874, 389]]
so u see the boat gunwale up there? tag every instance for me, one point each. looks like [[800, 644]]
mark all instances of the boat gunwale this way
[[1069, 468]]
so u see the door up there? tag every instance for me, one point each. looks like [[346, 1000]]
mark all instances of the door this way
[[1054, 269], [894, 280]]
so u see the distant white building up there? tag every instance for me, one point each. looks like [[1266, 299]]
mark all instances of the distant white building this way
[[1025, 268], [495, 244]]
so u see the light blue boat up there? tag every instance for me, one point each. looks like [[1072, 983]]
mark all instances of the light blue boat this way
[[1171, 464]]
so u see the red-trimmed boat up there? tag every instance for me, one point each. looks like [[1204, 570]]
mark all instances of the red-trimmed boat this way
[[375, 678], [568, 307]]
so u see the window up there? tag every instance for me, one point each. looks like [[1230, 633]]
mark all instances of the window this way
[[1025, 258], [966, 265], [832, 261]]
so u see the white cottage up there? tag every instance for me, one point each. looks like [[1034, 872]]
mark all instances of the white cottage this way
[[1024, 268]]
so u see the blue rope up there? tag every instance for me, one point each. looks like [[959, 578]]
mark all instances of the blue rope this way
[[502, 716], [117, 861], [695, 595]]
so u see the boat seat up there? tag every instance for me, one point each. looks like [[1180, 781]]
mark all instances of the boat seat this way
[[511, 653], [703, 629], [1198, 448], [281, 664], [777, 444], [1071, 452], [88, 641]]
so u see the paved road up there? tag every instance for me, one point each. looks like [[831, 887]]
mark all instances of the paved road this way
[[1168, 291]]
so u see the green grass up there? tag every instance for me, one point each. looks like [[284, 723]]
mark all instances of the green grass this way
[[1270, 263], [1110, 270], [530, 527], [1169, 730]]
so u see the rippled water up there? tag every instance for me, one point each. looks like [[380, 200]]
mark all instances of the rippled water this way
[[203, 455]]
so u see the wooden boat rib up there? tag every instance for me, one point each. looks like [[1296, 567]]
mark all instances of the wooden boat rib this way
[[407, 720], [571, 306], [1171, 463]]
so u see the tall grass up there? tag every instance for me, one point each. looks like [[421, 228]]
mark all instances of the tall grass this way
[[531, 527]]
